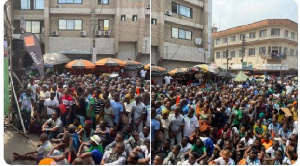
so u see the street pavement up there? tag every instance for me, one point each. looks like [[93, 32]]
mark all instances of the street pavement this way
[[16, 142]]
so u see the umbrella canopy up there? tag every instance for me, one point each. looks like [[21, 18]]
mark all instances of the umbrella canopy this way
[[240, 77], [110, 62], [224, 73], [158, 71], [133, 65], [147, 67], [179, 70], [55, 59], [205, 68], [80, 64]]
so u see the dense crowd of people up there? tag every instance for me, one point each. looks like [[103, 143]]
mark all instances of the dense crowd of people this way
[[225, 123], [88, 119]]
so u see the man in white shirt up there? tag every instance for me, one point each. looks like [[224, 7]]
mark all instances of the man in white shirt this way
[[168, 80], [51, 105], [185, 146], [191, 124], [145, 134], [143, 73], [224, 159]]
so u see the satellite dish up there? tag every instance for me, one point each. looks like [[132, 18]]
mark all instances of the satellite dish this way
[[198, 41]]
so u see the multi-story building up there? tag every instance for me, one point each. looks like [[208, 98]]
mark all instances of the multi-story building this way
[[88, 29], [180, 32], [268, 46]]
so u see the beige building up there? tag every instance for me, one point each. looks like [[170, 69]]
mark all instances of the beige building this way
[[180, 32], [269, 46], [88, 29]]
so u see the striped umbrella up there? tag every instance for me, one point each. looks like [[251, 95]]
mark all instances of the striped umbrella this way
[[80, 64], [158, 71], [179, 70], [110, 62], [133, 65]]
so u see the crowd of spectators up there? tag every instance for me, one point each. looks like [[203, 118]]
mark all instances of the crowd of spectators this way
[[85, 119], [252, 122]]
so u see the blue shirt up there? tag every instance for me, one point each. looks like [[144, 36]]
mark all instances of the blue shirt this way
[[97, 156], [155, 125], [118, 108], [185, 109]]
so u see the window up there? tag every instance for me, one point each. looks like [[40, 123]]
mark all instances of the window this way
[[103, 25], [181, 34], [285, 51], [263, 33], [153, 21], [241, 53], [217, 41], [292, 52], [134, 18], [103, 2], [70, 1], [225, 40], [29, 4], [286, 33], [232, 38], [275, 52], [292, 35], [182, 10], [252, 35], [242, 36], [275, 32], [224, 54], [232, 54], [218, 55], [123, 17], [69, 24], [262, 50], [251, 51], [33, 26]]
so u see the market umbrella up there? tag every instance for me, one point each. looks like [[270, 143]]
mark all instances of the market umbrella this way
[[80, 64], [240, 77], [51, 59], [133, 65], [158, 71], [224, 73], [110, 62], [205, 68], [147, 66], [179, 70]]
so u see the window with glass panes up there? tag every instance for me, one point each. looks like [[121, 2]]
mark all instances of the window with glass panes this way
[[286, 33], [251, 51], [252, 35], [232, 38], [225, 40], [262, 50], [34, 26], [241, 53], [292, 35], [181, 33], [28, 4], [275, 32], [103, 2], [263, 33], [103, 25], [224, 54], [217, 41], [182, 10], [291, 52], [68, 24], [70, 1], [218, 55], [232, 54]]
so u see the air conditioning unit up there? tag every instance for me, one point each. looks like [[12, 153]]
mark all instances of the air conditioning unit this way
[[98, 33], [106, 33], [168, 13], [148, 6], [83, 33], [54, 33]]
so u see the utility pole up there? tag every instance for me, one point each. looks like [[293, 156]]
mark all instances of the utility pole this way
[[243, 50]]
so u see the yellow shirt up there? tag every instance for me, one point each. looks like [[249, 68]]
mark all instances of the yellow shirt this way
[[295, 114]]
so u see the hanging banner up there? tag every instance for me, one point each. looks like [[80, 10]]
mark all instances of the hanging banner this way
[[32, 46]]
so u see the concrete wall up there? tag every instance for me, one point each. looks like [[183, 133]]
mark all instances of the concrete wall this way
[[57, 44], [127, 50], [172, 64]]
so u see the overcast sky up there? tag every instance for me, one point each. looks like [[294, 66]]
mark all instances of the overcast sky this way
[[231, 13]]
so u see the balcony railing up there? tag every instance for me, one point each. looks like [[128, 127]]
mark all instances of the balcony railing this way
[[274, 56]]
